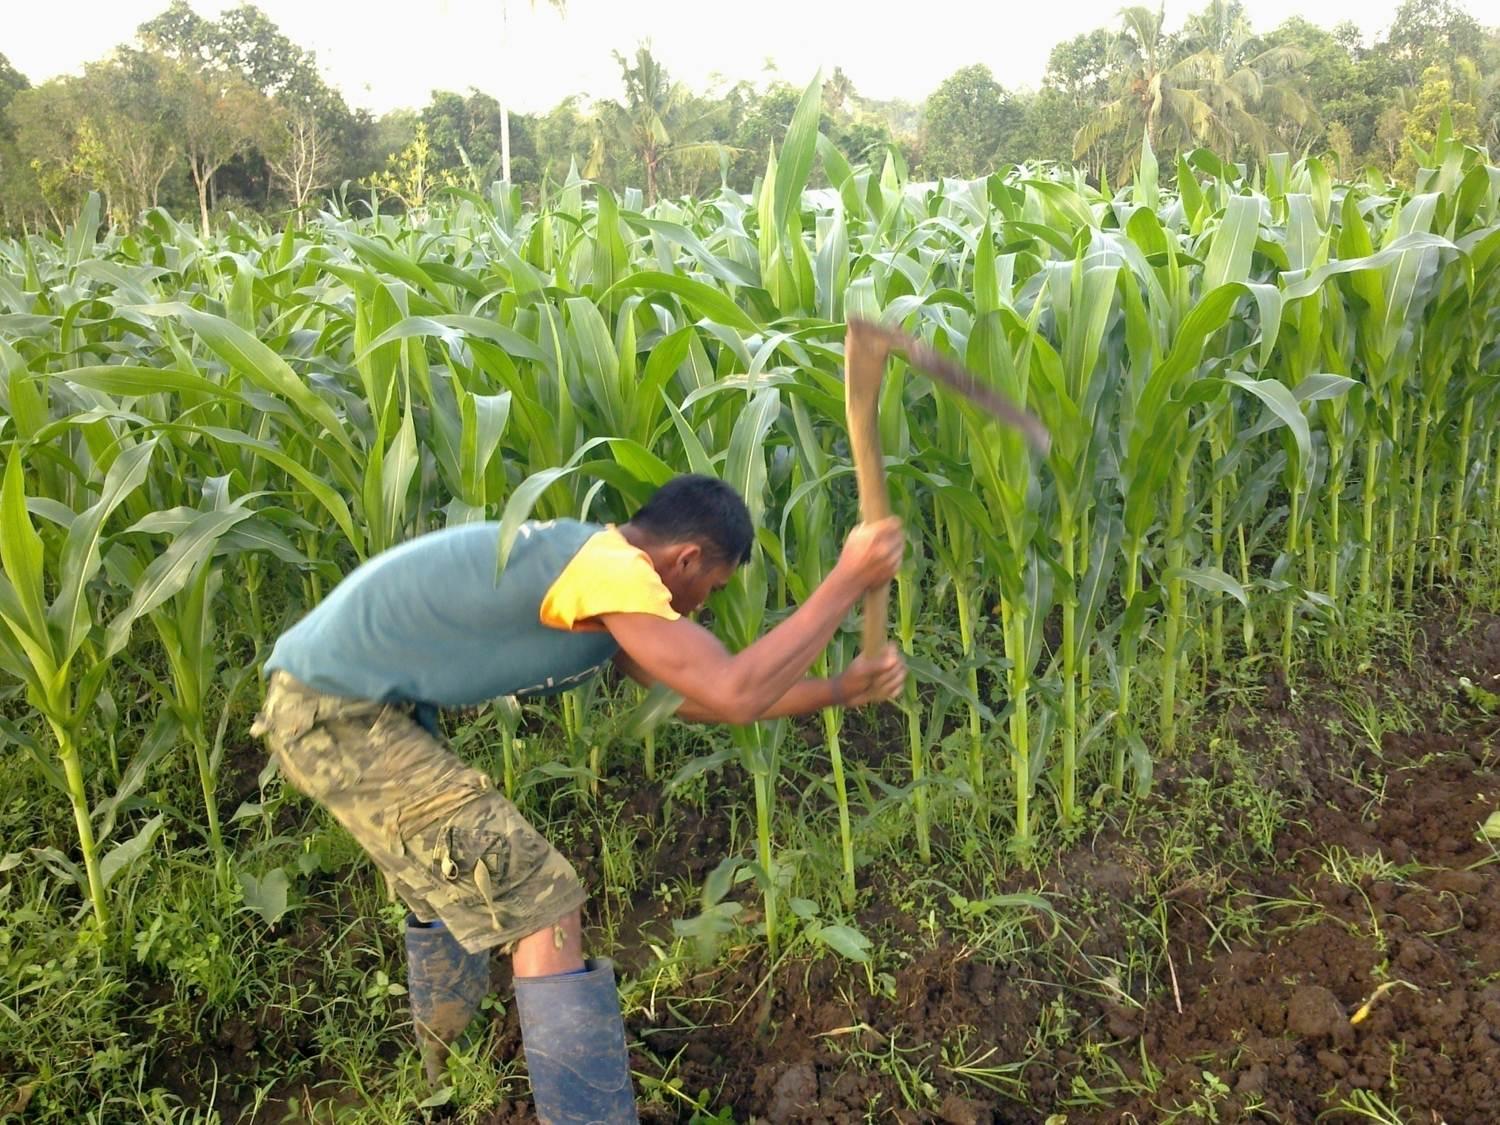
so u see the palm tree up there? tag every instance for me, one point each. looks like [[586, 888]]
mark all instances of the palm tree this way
[[660, 123], [561, 8], [1244, 85], [1155, 96], [1208, 86]]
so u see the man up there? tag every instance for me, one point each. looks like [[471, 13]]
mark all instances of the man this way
[[349, 717]]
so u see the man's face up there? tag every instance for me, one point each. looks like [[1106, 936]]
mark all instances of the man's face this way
[[693, 578]]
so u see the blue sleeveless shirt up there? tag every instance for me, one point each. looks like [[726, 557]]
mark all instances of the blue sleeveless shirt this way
[[427, 622]]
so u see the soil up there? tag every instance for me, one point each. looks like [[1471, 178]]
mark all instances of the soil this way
[[1376, 896]]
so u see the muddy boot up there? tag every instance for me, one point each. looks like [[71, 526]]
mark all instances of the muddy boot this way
[[575, 1047], [445, 985]]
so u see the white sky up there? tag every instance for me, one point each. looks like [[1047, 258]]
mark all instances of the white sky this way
[[383, 54]]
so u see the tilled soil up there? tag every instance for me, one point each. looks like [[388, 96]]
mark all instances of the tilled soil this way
[[1273, 1018], [1382, 891], [1354, 964], [1379, 891]]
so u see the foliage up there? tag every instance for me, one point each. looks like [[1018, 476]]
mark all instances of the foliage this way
[[1274, 426], [1435, 101], [303, 125], [219, 117], [412, 175], [1430, 31], [1266, 401], [465, 132], [969, 125], [245, 42], [660, 125], [1214, 84], [300, 154], [1214, 81], [18, 191], [12, 82]]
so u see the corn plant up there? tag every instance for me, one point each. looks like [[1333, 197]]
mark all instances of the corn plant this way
[[807, 534], [187, 626], [1272, 399]]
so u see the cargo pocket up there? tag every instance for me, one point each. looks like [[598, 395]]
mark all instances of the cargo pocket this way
[[492, 863], [284, 716], [478, 861]]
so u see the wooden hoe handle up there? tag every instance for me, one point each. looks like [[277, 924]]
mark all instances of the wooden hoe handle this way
[[865, 349], [866, 345]]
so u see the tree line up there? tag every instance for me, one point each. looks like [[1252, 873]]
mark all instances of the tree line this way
[[206, 115]]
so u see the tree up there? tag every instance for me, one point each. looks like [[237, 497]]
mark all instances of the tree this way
[[220, 117], [847, 121], [1246, 85], [1076, 83], [411, 175], [1153, 92], [1080, 67], [466, 136], [1428, 33], [19, 194], [1485, 82], [660, 122], [1211, 85], [44, 120], [181, 34], [903, 118], [1346, 34], [757, 123], [1341, 145], [299, 154], [115, 129], [244, 42], [135, 127], [969, 123], [12, 82], [1435, 100], [862, 139], [1331, 81], [564, 137], [1390, 130], [839, 96]]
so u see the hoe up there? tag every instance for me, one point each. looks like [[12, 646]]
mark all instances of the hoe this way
[[865, 348]]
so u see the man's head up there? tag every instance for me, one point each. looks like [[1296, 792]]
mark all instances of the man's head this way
[[697, 531]]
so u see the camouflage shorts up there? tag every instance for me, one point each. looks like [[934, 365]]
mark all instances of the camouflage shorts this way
[[452, 847]]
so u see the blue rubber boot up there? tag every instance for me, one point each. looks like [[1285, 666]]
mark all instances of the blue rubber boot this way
[[575, 1047], [445, 985]]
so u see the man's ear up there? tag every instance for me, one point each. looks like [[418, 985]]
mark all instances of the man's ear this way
[[688, 556]]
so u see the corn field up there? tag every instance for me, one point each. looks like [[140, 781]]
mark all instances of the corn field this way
[[1273, 402]]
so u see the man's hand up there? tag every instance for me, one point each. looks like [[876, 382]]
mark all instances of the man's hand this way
[[758, 682], [873, 679], [872, 553]]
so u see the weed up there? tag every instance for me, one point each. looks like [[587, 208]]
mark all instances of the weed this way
[[1365, 1105], [983, 1065], [1376, 719], [1206, 1101]]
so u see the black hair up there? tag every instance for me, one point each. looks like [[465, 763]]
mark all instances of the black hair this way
[[702, 510]]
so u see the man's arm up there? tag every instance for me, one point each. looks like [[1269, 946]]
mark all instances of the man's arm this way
[[865, 680], [745, 686]]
